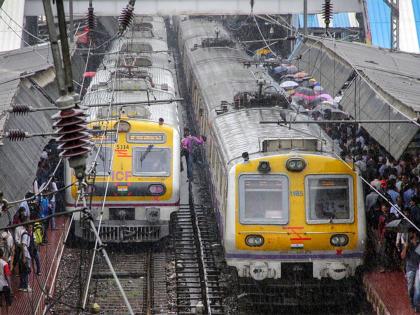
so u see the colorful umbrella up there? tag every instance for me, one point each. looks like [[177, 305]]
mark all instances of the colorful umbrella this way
[[318, 89], [301, 74], [289, 85], [280, 70], [292, 69], [89, 74], [325, 97], [306, 93]]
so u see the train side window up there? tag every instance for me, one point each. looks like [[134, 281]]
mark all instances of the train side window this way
[[263, 199], [329, 198], [151, 162]]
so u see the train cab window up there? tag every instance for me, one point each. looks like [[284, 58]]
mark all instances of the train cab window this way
[[329, 198], [149, 161], [263, 199], [103, 161]]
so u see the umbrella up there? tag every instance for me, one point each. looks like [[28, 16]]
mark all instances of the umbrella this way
[[263, 51], [300, 74], [307, 93], [318, 89], [325, 97], [89, 74], [289, 85], [280, 70], [292, 69]]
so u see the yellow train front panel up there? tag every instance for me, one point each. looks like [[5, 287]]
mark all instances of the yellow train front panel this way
[[128, 183], [294, 207], [136, 186]]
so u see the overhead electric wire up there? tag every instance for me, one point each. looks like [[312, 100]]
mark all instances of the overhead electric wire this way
[[21, 27], [262, 36], [97, 231]]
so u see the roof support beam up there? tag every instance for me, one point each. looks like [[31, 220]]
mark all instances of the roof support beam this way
[[202, 7]]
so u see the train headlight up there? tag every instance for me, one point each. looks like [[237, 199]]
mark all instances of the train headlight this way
[[295, 164], [264, 167], [153, 214], [123, 126], [254, 240], [156, 189], [339, 240]]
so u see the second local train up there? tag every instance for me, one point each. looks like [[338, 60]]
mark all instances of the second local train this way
[[133, 186], [285, 202]]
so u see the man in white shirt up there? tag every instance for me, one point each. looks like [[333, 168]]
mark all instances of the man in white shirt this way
[[25, 266]]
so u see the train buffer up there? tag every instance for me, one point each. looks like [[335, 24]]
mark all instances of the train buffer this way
[[25, 303], [387, 292]]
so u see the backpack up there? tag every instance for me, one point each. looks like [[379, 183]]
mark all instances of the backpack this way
[[38, 234], [32, 248], [44, 205]]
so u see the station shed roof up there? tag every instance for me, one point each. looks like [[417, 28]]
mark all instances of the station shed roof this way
[[386, 85], [16, 65]]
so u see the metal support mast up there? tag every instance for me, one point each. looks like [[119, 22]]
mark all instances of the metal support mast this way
[[394, 5], [305, 17]]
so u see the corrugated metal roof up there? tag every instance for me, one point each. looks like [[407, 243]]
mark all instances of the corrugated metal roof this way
[[392, 77], [393, 137], [19, 159], [380, 22], [11, 23], [312, 20], [16, 63], [395, 73], [322, 65], [341, 20], [416, 11]]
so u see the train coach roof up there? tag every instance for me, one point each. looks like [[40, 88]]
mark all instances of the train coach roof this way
[[199, 29], [222, 74], [159, 76], [240, 131], [158, 26], [168, 111]]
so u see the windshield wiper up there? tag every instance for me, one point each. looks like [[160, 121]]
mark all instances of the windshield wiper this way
[[149, 148]]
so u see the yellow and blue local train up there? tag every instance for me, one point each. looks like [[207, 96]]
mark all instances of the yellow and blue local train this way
[[134, 185], [285, 203]]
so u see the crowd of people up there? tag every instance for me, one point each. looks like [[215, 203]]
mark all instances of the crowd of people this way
[[20, 244], [392, 187]]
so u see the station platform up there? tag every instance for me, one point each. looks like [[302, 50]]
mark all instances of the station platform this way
[[387, 292], [50, 254]]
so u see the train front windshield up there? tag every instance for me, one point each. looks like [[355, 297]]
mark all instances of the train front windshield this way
[[150, 161], [328, 198], [263, 199]]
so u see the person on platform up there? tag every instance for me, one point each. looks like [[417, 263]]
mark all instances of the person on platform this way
[[5, 283], [25, 263], [412, 260]]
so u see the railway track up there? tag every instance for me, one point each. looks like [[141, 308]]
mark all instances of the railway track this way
[[142, 275], [198, 277]]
